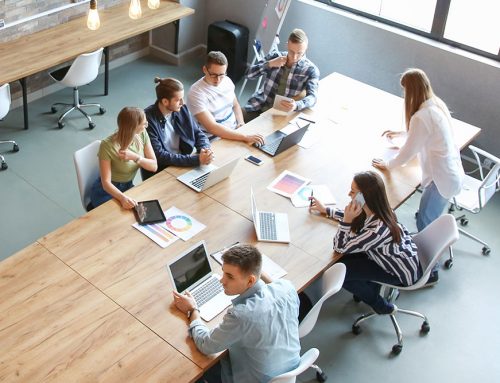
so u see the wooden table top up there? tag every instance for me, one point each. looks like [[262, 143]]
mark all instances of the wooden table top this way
[[102, 259], [131, 269], [45, 49], [55, 326]]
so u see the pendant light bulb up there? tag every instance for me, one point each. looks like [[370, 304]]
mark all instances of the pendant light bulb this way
[[134, 11], [93, 22], [154, 4]]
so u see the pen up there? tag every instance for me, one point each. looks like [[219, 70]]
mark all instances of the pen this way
[[311, 201]]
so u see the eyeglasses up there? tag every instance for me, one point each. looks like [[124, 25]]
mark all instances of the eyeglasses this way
[[215, 75]]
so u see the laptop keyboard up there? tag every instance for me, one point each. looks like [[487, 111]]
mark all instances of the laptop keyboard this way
[[207, 291], [267, 226], [200, 181], [271, 147]]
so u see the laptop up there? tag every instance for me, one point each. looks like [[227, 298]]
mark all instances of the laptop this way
[[278, 141], [269, 227], [203, 177], [192, 271]]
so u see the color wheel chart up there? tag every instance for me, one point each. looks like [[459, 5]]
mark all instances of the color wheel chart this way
[[181, 224]]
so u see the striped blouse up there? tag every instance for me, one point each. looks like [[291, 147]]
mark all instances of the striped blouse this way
[[375, 239]]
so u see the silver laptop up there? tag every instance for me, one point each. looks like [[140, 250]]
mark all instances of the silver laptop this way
[[278, 141], [202, 177], [270, 227], [192, 271]]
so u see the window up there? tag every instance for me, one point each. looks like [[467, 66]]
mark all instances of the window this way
[[470, 25], [476, 24]]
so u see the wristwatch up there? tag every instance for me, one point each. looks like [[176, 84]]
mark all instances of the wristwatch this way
[[190, 312]]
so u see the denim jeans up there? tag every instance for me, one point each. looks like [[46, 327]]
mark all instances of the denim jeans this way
[[432, 205], [98, 195], [361, 272]]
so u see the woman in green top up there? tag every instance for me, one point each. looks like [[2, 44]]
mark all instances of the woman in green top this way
[[120, 156]]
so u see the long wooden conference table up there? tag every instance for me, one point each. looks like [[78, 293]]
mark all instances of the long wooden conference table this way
[[92, 300], [40, 51]]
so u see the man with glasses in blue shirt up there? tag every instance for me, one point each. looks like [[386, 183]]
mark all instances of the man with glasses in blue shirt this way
[[260, 330], [290, 74], [213, 103]]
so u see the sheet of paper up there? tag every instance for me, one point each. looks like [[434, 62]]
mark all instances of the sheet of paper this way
[[181, 224], [270, 267], [157, 233], [321, 192], [287, 183]]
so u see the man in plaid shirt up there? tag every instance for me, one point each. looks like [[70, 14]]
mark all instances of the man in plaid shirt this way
[[287, 73]]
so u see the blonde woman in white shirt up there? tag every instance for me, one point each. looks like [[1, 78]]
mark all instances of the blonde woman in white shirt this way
[[429, 135]]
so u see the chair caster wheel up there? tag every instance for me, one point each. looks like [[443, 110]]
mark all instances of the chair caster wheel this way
[[91, 125], [425, 328], [464, 222], [451, 209], [15, 148], [4, 166], [102, 110], [321, 377], [356, 299], [53, 110], [80, 101], [60, 125], [448, 264], [416, 214], [356, 330], [396, 349], [486, 250]]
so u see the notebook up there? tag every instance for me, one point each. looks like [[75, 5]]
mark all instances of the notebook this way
[[278, 141], [191, 271], [203, 177], [269, 226]]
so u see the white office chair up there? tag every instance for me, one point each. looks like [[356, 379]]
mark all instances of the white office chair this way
[[476, 193], [82, 71], [4, 109], [431, 243], [332, 281], [87, 171], [306, 361]]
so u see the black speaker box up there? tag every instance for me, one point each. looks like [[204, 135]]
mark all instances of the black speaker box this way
[[232, 40]]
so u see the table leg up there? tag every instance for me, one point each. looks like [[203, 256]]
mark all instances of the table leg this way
[[106, 71], [25, 102]]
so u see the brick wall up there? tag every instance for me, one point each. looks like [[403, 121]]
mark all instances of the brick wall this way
[[14, 10]]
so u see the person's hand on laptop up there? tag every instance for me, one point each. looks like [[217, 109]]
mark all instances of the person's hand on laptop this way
[[206, 156], [254, 139], [184, 302]]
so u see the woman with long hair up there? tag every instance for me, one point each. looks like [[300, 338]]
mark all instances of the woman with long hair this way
[[374, 246], [120, 156], [430, 136]]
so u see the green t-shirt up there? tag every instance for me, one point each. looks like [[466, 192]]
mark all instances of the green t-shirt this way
[[122, 171]]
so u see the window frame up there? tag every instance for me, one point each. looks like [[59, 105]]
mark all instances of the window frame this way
[[437, 29]]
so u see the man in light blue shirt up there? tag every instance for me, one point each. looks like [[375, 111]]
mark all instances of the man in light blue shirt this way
[[260, 330]]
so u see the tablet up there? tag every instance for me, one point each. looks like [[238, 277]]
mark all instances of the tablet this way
[[147, 212]]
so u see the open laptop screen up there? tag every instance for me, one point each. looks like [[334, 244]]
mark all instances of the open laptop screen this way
[[190, 268]]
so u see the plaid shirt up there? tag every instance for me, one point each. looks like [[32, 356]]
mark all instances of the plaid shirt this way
[[304, 75]]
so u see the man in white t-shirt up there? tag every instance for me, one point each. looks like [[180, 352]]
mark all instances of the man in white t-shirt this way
[[212, 101]]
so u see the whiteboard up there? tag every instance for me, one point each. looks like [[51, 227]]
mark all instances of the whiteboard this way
[[270, 23]]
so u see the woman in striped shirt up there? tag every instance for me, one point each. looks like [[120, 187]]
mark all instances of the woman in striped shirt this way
[[375, 247]]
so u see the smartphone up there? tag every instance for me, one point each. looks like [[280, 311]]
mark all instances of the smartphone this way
[[254, 160], [359, 199]]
